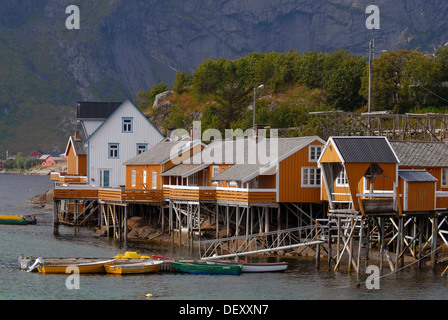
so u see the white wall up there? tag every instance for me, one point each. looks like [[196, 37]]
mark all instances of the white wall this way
[[111, 132]]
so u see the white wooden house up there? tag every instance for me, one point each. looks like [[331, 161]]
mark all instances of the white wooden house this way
[[124, 134]]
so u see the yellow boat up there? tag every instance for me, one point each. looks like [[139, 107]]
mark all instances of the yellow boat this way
[[132, 267], [60, 265]]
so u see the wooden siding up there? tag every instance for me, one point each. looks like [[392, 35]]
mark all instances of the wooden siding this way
[[125, 195], [330, 155], [75, 193], [72, 163], [418, 196], [139, 170], [111, 132], [290, 179]]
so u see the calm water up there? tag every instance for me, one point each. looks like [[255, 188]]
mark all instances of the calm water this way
[[300, 282]]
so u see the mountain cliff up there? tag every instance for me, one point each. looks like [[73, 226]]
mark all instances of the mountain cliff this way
[[126, 46]]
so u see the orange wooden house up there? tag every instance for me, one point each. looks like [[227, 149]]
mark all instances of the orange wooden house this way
[[364, 174], [76, 163], [356, 169], [144, 172], [242, 170], [430, 156]]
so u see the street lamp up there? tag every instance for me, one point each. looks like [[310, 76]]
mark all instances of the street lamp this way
[[261, 86]]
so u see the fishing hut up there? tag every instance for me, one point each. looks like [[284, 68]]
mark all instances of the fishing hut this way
[[372, 202]]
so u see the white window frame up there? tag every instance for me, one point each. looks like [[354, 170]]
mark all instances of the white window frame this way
[[311, 177], [341, 179], [444, 178], [154, 179], [144, 179], [133, 178], [314, 153], [213, 173], [193, 179]]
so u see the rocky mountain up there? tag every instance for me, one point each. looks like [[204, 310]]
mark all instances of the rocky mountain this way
[[126, 46]]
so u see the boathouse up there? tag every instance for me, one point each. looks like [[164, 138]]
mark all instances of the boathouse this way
[[359, 170], [430, 156]]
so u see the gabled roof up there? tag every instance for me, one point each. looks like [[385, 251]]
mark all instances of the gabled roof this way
[[78, 147], [416, 176], [91, 110], [121, 106], [161, 152], [247, 171], [364, 149], [421, 154], [184, 170]]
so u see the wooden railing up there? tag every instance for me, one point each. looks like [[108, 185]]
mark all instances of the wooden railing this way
[[110, 194], [62, 177], [130, 195], [219, 193], [75, 192]]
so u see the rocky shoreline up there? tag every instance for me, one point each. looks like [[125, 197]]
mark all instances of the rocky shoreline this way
[[41, 171]]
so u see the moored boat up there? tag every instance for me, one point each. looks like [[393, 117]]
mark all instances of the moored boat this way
[[60, 265], [125, 267], [16, 220], [200, 267], [257, 266]]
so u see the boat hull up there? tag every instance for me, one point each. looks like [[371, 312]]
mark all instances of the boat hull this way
[[249, 267], [207, 268], [83, 268], [264, 267], [15, 220], [134, 268]]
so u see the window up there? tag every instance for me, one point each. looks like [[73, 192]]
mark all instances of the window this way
[[141, 147], [127, 124], [215, 172], [193, 179], [144, 179], [341, 180], [311, 177], [113, 150], [154, 180], [133, 178], [444, 178], [315, 152], [104, 178]]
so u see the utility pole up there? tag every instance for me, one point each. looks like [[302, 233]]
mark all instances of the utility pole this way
[[371, 44]]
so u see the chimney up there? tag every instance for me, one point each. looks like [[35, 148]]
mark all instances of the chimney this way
[[257, 127], [77, 137]]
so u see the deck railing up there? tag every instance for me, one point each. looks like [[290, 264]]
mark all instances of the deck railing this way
[[62, 177], [109, 194], [75, 192], [219, 193]]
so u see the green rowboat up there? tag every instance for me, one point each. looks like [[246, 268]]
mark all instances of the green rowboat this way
[[199, 267]]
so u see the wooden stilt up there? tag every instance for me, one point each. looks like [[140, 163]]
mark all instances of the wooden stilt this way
[[56, 217]]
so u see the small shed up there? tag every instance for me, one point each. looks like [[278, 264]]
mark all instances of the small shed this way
[[418, 189]]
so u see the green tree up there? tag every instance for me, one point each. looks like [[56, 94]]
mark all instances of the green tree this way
[[421, 82], [310, 69], [181, 80], [344, 83]]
